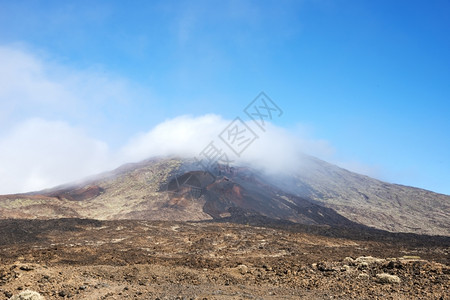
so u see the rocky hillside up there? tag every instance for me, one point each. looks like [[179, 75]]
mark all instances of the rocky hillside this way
[[369, 201], [175, 189], [170, 189]]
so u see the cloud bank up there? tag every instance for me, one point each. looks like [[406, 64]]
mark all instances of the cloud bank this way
[[274, 150], [45, 108], [39, 154], [42, 143]]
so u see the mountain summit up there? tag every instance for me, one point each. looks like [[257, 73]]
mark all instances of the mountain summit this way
[[177, 189]]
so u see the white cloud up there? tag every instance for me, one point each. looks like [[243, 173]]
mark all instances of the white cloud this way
[[185, 136], [275, 150], [24, 83], [33, 86], [39, 154]]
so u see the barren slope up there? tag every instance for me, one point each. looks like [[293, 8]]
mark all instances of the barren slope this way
[[175, 189], [369, 201]]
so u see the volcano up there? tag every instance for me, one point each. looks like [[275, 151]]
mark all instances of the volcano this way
[[177, 189]]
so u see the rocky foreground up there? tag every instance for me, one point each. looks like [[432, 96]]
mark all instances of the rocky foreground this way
[[86, 259]]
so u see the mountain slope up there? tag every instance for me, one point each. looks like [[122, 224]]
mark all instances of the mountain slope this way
[[175, 189], [170, 189], [369, 201]]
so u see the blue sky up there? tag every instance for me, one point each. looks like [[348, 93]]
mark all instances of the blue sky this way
[[366, 82]]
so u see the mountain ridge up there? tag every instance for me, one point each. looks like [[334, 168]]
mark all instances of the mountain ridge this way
[[151, 190]]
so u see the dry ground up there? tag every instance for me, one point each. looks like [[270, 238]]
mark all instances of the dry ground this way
[[85, 259]]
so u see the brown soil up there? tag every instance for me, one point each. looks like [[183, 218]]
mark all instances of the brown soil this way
[[86, 259]]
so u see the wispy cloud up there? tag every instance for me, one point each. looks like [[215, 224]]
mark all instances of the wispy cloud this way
[[48, 109], [26, 85], [48, 112], [275, 150], [38, 153], [33, 86]]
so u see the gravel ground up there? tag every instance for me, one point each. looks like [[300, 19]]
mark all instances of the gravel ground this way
[[85, 259]]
